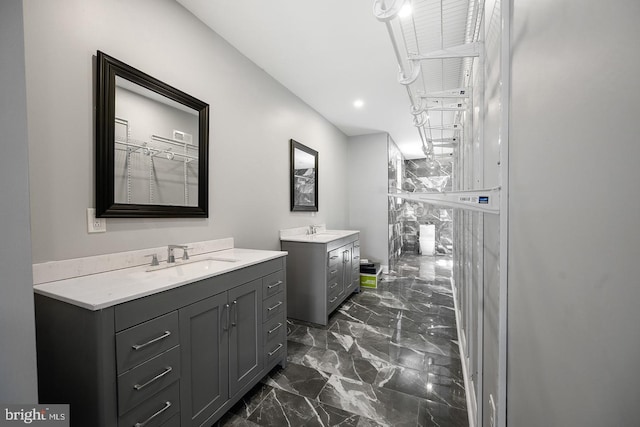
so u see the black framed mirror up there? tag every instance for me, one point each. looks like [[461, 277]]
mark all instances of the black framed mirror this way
[[152, 146], [304, 178]]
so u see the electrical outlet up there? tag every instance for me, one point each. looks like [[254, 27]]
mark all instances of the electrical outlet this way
[[492, 411], [95, 225]]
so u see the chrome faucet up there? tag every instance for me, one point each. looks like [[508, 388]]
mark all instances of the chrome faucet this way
[[171, 257], [314, 228]]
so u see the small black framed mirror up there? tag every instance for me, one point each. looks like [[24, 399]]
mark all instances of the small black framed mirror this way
[[152, 146], [304, 178]]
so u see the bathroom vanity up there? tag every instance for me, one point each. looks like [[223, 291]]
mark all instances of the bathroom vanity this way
[[162, 346], [323, 269]]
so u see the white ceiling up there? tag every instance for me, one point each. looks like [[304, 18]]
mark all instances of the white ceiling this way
[[327, 52]]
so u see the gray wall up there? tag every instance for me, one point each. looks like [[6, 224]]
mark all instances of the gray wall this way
[[574, 245], [17, 330], [252, 119], [368, 182]]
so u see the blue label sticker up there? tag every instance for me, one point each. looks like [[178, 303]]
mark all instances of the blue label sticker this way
[[483, 200]]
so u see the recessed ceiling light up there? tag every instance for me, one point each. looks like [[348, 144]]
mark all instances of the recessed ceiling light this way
[[405, 11], [358, 103]]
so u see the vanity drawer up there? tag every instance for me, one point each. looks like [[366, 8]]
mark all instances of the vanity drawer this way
[[173, 422], [148, 339], [333, 289], [142, 382], [273, 351], [333, 301], [274, 330], [156, 410], [332, 273], [273, 307], [272, 284], [334, 257]]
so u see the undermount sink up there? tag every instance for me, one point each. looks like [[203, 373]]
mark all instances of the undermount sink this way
[[193, 265]]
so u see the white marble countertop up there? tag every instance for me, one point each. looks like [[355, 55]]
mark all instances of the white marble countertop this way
[[324, 236], [102, 290]]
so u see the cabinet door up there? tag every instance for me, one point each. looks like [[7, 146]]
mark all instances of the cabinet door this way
[[245, 335], [346, 260], [355, 267], [204, 347]]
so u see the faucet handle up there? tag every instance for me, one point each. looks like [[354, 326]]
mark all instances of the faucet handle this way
[[154, 259], [185, 254]]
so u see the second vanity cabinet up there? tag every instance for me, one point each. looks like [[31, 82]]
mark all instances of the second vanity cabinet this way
[[181, 357], [321, 275]]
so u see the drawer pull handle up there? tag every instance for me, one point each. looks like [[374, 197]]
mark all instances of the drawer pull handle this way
[[276, 350], [332, 300], [235, 313], [139, 387], [334, 257], [227, 309], [275, 306], [166, 406], [333, 271], [275, 329], [333, 286], [161, 337], [278, 283], [356, 257]]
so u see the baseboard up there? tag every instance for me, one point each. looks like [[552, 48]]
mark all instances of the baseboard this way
[[469, 389]]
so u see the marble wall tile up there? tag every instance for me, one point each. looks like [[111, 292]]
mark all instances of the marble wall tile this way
[[432, 414]]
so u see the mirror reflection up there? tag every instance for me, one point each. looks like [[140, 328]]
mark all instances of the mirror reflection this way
[[156, 151], [304, 178]]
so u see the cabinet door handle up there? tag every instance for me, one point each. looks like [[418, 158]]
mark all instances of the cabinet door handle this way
[[235, 313], [334, 257], [275, 306], [166, 406], [226, 325], [333, 300], [276, 350], [333, 286], [356, 257], [161, 337], [278, 283], [333, 271], [275, 329], [139, 387]]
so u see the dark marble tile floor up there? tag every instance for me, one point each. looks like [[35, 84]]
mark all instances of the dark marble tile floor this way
[[388, 357]]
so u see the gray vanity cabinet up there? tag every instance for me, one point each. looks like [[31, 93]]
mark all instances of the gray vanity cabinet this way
[[321, 276], [181, 357]]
